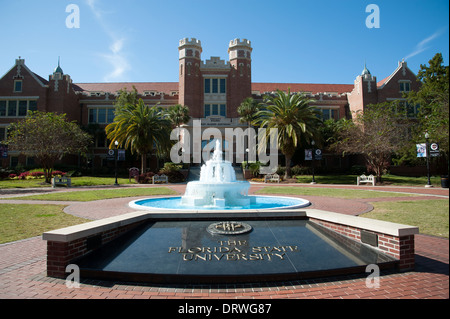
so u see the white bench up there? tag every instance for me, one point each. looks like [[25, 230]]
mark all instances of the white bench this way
[[365, 179], [272, 178], [61, 181], [160, 178]]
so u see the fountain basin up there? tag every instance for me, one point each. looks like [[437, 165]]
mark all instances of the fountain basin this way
[[255, 203], [232, 193], [269, 250]]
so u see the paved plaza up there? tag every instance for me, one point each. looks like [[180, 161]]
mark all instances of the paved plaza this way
[[23, 263]]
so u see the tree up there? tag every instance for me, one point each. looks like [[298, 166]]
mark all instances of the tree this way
[[376, 133], [140, 128], [48, 137], [247, 111], [177, 114], [433, 98], [293, 117]]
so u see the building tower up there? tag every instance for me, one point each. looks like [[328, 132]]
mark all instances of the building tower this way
[[365, 91], [190, 79], [240, 81]]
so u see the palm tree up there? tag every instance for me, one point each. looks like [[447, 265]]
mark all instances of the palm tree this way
[[293, 117], [142, 129], [178, 114], [247, 111]]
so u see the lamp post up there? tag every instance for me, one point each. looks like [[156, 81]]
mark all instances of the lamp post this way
[[116, 155], [313, 153], [427, 150]]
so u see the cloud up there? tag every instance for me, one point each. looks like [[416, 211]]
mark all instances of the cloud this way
[[115, 57], [422, 45]]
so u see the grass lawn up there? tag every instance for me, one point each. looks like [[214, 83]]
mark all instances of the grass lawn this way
[[328, 192], [76, 181], [20, 221], [431, 216], [387, 180], [90, 195]]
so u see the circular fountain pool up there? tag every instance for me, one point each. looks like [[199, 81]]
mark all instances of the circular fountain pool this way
[[257, 203]]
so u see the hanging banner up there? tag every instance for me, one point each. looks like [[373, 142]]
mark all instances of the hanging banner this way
[[434, 150], [121, 155], [308, 155], [317, 155], [421, 150]]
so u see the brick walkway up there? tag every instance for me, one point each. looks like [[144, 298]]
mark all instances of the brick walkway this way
[[22, 264]]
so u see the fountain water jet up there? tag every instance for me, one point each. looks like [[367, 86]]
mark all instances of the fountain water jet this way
[[217, 186]]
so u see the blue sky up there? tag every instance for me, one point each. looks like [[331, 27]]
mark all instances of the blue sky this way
[[323, 41]]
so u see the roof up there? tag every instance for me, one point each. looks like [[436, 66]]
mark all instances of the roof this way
[[304, 87], [383, 82], [113, 87]]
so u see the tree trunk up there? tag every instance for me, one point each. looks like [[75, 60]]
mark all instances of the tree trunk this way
[[143, 163], [287, 173]]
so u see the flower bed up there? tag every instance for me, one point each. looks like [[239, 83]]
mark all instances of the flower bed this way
[[34, 175]]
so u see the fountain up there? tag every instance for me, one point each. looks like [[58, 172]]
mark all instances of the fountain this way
[[217, 186], [218, 189], [195, 245]]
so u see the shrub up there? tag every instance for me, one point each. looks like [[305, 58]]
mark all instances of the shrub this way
[[174, 176], [170, 167], [145, 178]]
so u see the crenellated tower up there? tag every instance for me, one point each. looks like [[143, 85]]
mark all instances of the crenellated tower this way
[[240, 82], [190, 79]]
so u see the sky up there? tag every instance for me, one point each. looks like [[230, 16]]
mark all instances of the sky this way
[[294, 41]]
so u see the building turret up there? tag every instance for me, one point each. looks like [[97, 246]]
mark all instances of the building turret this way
[[240, 84], [190, 79]]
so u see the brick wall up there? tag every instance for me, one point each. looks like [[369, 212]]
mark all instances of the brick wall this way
[[61, 254], [401, 248]]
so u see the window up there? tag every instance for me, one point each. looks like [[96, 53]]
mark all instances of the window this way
[[20, 108], [406, 109], [3, 131], [405, 86], [215, 86], [18, 86], [215, 110], [12, 108], [101, 115], [32, 105], [2, 108], [23, 108], [92, 115], [328, 113], [111, 116], [207, 85]]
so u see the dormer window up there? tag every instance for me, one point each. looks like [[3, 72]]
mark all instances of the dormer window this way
[[17, 86]]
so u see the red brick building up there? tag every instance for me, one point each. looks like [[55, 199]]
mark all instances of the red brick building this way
[[211, 88]]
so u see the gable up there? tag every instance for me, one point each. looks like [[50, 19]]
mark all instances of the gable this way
[[21, 80], [402, 72]]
